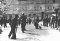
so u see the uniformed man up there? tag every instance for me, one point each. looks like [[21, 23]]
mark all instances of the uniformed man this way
[[23, 22]]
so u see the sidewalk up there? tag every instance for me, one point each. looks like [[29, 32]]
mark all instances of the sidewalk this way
[[32, 34]]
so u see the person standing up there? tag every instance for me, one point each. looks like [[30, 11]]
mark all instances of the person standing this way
[[23, 22], [5, 22], [58, 22], [36, 22], [2, 21], [53, 22], [47, 21], [13, 27], [29, 20], [44, 21]]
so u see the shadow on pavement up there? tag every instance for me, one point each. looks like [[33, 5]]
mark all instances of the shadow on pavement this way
[[37, 32], [42, 29], [28, 39]]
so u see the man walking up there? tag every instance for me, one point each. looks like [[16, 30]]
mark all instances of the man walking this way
[[13, 27]]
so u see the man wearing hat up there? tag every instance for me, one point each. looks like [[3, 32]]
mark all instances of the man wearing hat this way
[[23, 22]]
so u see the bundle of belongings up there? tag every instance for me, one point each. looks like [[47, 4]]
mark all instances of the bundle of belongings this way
[[40, 24]]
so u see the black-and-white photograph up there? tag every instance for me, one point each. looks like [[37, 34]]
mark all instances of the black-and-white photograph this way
[[29, 20]]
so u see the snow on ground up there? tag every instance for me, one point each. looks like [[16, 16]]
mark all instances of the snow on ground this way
[[32, 34]]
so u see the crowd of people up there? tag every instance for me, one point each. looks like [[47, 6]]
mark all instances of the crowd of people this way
[[14, 22], [53, 21], [23, 21]]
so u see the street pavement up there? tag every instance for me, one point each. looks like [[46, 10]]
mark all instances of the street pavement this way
[[32, 34]]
